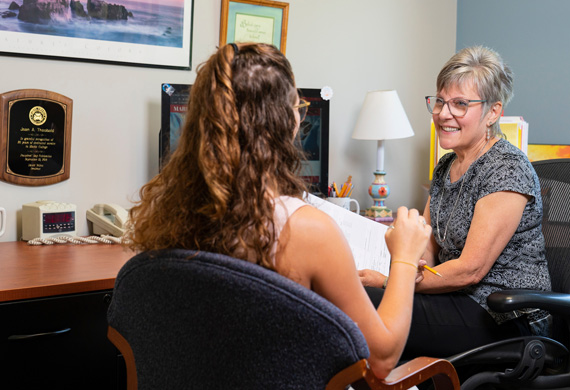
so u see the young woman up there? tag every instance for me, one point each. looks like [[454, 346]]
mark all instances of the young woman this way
[[232, 187]]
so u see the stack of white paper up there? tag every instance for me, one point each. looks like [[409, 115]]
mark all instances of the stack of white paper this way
[[365, 236]]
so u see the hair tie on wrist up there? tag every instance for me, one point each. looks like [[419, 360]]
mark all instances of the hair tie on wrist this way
[[405, 262]]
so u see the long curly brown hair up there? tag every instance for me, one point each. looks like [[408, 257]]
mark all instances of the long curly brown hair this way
[[236, 153]]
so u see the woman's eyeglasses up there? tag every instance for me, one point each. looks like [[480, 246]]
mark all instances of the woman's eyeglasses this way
[[303, 106], [457, 106]]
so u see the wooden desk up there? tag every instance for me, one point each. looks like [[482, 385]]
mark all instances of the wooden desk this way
[[53, 305], [28, 271]]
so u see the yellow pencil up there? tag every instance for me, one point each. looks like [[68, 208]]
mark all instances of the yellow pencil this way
[[335, 189], [432, 271], [345, 187], [344, 190]]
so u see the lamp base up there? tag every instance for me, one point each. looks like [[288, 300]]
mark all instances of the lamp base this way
[[379, 191], [379, 214]]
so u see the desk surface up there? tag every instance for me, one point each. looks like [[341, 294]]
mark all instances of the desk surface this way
[[28, 271]]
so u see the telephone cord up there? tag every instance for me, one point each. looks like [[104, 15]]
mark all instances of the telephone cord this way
[[78, 240]]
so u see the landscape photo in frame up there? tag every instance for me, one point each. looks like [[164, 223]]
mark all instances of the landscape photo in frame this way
[[155, 33]]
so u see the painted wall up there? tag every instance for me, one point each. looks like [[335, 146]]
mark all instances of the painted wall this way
[[532, 36], [352, 46]]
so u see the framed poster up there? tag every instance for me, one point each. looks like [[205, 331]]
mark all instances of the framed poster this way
[[260, 21], [312, 138], [154, 33], [173, 106]]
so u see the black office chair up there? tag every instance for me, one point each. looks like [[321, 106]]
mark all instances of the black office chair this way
[[534, 362], [185, 319]]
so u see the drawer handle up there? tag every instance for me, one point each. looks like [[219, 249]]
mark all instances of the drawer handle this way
[[31, 336]]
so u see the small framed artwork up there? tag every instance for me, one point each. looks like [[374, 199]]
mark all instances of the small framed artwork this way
[[537, 152], [260, 21], [153, 33]]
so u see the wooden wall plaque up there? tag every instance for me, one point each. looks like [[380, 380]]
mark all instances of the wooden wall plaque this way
[[35, 137]]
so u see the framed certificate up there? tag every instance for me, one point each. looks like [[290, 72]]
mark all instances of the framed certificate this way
[[260, 21]]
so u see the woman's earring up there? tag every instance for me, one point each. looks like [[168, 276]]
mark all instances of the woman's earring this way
[[488, 133]]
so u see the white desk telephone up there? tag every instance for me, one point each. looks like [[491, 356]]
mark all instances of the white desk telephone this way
[[108, 218]]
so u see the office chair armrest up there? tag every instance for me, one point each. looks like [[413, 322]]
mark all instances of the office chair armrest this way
[[508, 300], [419, 369], [404, 376]]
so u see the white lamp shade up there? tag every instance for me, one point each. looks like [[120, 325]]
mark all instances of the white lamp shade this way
[[382, 117]]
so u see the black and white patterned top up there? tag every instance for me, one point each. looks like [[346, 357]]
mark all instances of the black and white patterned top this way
[[522, 264]]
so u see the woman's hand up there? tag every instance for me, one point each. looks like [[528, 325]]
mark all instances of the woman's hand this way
[[408, 237], [371, 278], [420, 275], [406, 240]]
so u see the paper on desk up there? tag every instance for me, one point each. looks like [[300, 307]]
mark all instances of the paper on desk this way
[[365, 237]]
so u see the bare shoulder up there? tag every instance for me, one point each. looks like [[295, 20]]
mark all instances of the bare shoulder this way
[[313, 246], [311, 220]]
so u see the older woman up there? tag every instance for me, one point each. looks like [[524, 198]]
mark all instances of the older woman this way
[[485, 210]]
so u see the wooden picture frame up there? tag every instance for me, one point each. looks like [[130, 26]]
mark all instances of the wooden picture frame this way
[[260, 21], [153, 33]]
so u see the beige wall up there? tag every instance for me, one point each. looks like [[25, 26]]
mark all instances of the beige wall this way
[[352, 46]]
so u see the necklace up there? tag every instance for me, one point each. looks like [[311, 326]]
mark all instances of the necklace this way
[[458, 194]]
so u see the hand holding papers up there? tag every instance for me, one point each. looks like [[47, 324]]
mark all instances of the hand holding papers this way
[[365, 236]]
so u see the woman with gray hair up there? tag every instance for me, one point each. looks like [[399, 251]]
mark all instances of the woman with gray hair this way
[[485, 209]]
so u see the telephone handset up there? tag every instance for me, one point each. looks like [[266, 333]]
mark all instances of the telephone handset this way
[[108, 218]]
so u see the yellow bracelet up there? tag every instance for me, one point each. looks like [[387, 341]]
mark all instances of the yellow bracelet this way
[[405, 262]]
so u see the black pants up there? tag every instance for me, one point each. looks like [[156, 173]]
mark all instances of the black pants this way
[[446, 324]]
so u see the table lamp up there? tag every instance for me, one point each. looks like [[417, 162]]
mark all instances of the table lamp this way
[[382, 117]]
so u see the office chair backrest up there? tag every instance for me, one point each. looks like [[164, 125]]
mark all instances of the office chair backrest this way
[[554, 177], [204, 320]]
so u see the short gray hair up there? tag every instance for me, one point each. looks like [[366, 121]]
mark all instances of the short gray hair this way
[[488, 72]]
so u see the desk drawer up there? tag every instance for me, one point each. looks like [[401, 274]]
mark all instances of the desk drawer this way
[[58, 342]]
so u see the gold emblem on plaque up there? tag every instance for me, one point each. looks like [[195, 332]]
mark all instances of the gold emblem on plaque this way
[[38, 115]]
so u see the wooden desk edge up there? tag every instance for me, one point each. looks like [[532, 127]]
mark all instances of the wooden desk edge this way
[[102, 262], [54, 290]]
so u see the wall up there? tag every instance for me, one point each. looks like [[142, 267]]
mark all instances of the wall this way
[[532, 36], [353, 47]]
